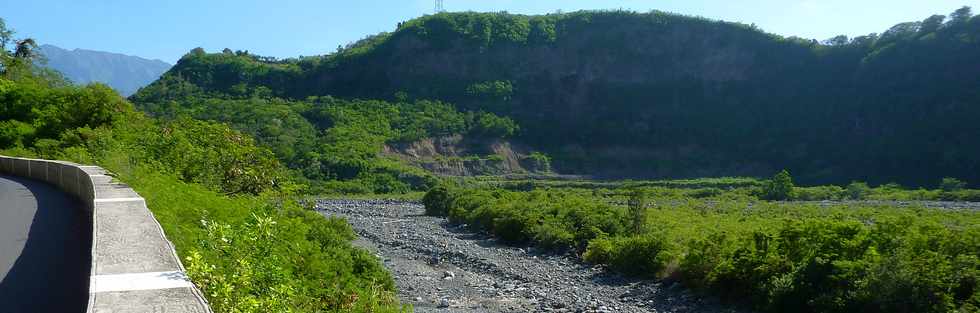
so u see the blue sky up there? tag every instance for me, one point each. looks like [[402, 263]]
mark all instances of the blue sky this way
[[166, 29]]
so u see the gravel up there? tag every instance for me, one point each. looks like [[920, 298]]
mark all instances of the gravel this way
[[439, 267]]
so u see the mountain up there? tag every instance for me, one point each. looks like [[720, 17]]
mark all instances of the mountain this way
[[124, 73], [652, 95]]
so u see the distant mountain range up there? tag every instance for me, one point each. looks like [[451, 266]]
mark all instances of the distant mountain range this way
[[122, 72]]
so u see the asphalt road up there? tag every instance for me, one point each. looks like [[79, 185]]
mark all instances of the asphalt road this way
[[45, 248]]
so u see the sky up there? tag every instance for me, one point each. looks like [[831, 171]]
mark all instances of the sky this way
[[167, 29]]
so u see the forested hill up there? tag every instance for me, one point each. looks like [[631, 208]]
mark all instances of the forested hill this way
[[661, 95]]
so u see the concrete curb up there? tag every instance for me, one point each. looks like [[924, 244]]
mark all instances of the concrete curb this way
[[134, 267]]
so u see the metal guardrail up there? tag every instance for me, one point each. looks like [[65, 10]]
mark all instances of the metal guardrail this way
[[134, 267]]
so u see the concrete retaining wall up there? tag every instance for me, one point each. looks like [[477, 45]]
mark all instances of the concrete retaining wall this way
[[134, 266]]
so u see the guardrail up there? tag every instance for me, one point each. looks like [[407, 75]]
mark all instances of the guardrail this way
[[134, 266]]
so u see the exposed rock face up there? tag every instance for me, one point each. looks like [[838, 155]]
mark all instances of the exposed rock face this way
[[458, 156], [656, 95], [605, 98]]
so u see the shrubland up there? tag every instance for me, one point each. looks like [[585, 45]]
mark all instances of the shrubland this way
[[775, 256], [332, 145], [223, 200]]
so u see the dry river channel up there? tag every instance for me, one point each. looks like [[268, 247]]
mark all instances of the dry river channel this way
[[440, 267]]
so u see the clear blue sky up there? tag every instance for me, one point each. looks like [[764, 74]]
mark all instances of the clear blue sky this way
[[166, 29]]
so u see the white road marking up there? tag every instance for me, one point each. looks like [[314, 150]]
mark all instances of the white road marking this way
[[118, 200], [139, 281]]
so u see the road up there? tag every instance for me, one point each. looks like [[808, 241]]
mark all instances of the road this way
[[45, 248]]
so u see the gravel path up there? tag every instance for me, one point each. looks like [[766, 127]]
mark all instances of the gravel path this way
[[443, 268]]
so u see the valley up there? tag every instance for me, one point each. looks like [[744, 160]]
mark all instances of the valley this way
[[584, 161], [440, 267]]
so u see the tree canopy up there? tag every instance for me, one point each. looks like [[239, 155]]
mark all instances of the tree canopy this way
[[686, 96]]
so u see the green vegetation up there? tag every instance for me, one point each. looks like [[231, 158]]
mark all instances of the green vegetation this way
[[633, 94], [780, 187], [774, 256], [638, 210], [224, 201], [332, 145], [685, 96]]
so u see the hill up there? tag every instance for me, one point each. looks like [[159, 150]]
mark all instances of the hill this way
[[126, 74], [615, 93]]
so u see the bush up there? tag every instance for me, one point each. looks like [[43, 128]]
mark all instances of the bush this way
[[858, 191], [512, 227], [780, 187], [778, 257], [247, 253], [818, 193], [636, 255], [950, 184], [437, 201], [638, 210], [553, 236], [487, 125]]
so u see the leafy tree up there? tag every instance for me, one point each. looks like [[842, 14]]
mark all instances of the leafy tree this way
[[960, 17], [932, 24], [487, 125], [858, 190], [6, 36], [952, 184], [779, 187], [896, 90], [638, 210], [837, 41], [437, 201], [26, 49]]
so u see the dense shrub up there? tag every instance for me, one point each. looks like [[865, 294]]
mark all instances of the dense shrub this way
[[777, 257], [818, 193], [333, 144], [638, 210], [254, 252], [641, 255], [554, 220], [779, 187], [858, 191], [950, 184], [437, 201]]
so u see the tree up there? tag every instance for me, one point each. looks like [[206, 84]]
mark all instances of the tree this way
[[437, 201], [899, 32], [26, 50], [198, 51], [6, 36], [836, 41], [638, 210], [858, 190], [952, 184], [960, 16], [780, 187], [931, 24]]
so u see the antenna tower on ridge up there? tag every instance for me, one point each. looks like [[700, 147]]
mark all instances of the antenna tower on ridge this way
[[439, 7]]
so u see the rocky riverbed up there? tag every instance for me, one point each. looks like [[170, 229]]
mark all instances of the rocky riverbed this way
[[440, 267]]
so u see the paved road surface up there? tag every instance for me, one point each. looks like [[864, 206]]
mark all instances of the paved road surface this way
[[45, 249]]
